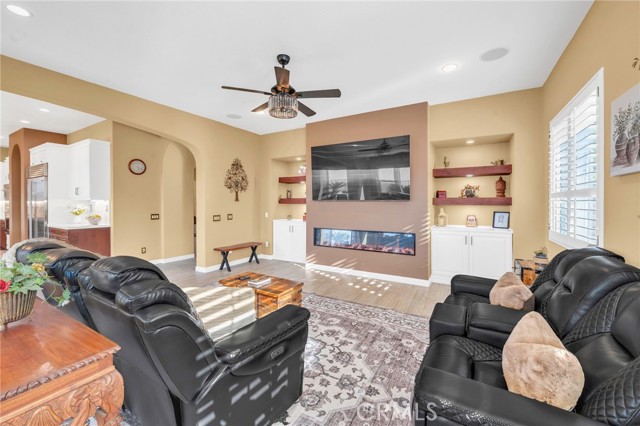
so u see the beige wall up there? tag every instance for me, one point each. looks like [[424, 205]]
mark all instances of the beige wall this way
[[101, 131], [213, 145], [4, 153], [394, 216], [608, 38], [517, 114]]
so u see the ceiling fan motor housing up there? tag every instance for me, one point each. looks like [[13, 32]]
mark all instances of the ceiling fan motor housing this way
[[283, 59]]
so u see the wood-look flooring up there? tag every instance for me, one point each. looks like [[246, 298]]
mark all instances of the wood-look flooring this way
[[405, 298]]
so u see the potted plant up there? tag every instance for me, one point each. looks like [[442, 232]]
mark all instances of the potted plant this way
[[94, 219], [77, 211], [19, 284]]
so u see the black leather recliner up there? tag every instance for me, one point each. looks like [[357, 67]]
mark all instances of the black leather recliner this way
[[62, 265], [174, 374], [582, 287], [460, 381]]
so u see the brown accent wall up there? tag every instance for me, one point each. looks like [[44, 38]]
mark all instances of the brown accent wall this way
[[19, 144], [396, 216]]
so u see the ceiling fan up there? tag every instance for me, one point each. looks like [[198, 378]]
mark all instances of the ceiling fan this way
[[384, 147], [283, 98]]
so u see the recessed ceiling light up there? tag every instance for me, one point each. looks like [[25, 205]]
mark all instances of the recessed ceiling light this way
[[234, 116], [44, 110], [470, 141], [19, 10], [494, 54], [449, 67], [25, 121], [298, 158]]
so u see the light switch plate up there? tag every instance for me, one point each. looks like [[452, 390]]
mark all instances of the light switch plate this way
[[155, 216], [229, 216], [216, 218]]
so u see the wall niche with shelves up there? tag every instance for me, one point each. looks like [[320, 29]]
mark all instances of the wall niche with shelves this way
[[471, 164]]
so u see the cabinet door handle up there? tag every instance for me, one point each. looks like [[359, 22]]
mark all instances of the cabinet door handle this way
[[472, 240], [465, 240], [77, 190]]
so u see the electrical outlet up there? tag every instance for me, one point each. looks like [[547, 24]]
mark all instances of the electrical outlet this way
[[266, 244], [155, 216], [229, 216], [143, 250], [216, 218]]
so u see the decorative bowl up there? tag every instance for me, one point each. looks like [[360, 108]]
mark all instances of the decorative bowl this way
[[15, 306], [94, 220]]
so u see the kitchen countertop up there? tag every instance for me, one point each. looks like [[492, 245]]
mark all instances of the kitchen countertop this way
[[78, 226]]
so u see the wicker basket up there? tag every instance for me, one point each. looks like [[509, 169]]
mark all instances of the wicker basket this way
[[15, 306]]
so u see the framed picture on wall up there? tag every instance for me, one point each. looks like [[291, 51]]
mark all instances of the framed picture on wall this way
[[472, 221], [501, 220], [625, 142]]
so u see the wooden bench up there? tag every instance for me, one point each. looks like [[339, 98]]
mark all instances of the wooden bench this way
[[228, 249]]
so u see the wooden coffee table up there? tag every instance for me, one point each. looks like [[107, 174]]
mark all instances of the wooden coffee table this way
[[271, 297]]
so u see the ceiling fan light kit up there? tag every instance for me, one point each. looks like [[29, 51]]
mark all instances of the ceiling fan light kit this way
[[283, 105], [283, 98]]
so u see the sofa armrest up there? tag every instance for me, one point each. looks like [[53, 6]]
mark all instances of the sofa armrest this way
[[264, 333], [447, 319], [468, 402], [471, 284], [492, 324]]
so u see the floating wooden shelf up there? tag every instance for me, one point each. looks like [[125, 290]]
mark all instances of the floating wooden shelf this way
[[475, 171], [478, 201], [292, 179], [292, 201]]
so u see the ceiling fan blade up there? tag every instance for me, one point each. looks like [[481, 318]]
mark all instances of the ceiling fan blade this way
[[370, 149], [305, 110], [261, 107], [282, 77], [329, 93], [240, 89]]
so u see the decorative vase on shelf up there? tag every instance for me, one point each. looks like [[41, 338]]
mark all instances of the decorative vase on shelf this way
[[501, 187], [15, 306], [289, 193], [443, 219]]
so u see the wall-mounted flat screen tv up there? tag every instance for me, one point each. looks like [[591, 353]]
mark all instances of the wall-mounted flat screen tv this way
[[371, 170]]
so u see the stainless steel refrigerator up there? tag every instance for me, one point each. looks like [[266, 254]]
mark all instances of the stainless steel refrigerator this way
[[38, 200]]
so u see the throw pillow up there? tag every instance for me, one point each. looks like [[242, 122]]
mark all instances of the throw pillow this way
[[536, 364], [509, 291]]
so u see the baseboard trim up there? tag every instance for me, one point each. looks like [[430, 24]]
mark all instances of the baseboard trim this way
[[440, 279], [374, 275], [173, 259], [266, 256], [217, 267]]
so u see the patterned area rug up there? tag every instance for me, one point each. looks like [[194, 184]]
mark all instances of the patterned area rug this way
[[360, 365]]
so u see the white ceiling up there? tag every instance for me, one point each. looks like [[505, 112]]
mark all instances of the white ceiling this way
[[380, 54], [14, 108]]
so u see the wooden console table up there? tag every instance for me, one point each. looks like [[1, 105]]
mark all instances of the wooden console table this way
[[53, 368]]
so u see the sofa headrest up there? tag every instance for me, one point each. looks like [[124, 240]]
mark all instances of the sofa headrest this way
[[584, 285], [573, 257], [626, 325], [111, 273], [141, 294], [72, 273], [60, 259], [23, 251]]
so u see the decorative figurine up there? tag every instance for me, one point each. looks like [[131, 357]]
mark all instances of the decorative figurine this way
[[446, 162], [443, 219], [501, 187], [499, 162]]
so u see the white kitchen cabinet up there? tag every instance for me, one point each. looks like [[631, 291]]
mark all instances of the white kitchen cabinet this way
[[90, 170], [290, 240], [483, 251]]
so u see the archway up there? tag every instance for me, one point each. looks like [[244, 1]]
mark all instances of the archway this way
[[15, 184]]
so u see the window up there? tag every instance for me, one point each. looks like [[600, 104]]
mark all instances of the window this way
[[576, 169]]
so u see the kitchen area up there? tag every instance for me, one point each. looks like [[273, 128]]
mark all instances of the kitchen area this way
[[68, 194]]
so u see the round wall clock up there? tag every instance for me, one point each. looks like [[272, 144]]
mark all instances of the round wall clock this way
[[137, 167]]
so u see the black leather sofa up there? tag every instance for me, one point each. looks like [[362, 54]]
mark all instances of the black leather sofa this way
[[174, 373], [63, 265], [594, 309]]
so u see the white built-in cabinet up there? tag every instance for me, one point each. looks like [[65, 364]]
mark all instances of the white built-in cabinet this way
[[483, 251], [290, 240], [89, 174]]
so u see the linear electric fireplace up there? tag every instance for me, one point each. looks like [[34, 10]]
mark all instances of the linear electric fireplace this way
[[383, 242]]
